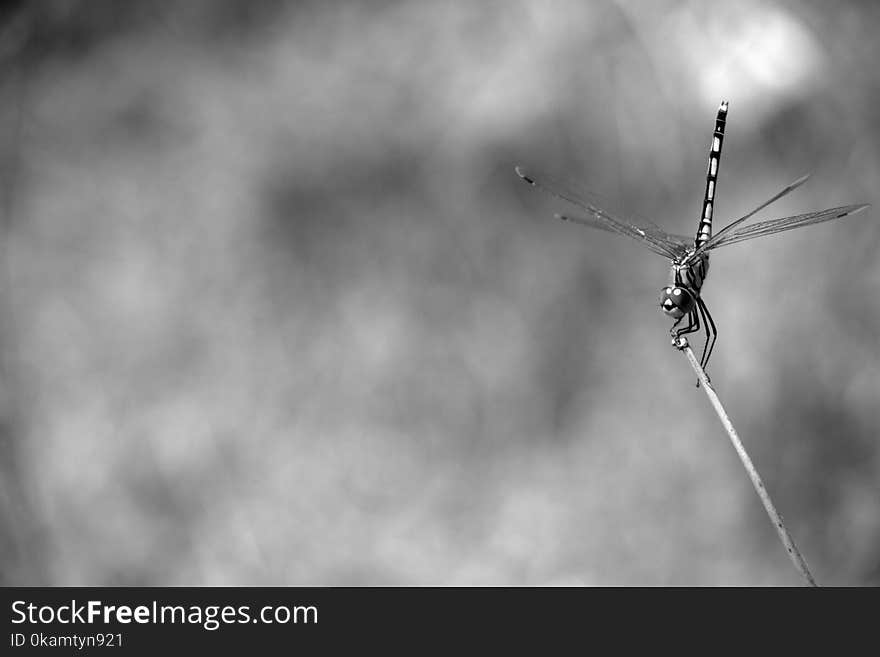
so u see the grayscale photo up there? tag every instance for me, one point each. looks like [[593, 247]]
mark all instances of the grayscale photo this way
[[576, 293]]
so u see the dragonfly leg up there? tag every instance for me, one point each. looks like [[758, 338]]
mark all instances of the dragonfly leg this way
[[692, 327], [711, 333]]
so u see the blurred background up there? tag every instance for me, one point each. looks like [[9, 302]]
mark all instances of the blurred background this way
[[275, 309]]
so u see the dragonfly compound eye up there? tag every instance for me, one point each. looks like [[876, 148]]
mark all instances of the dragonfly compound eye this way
[[676, 301]]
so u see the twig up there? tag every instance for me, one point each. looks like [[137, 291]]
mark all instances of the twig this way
[[793, 553]]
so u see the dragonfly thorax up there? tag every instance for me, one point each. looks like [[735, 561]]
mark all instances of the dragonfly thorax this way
[[690, 272]]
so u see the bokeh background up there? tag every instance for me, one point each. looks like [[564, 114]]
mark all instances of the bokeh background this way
[[276, 309]]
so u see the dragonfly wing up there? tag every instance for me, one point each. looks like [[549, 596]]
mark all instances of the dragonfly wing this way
[[591, 222], [669, 246], [645, 232], [718, 238], [683, 240], [773, 226]]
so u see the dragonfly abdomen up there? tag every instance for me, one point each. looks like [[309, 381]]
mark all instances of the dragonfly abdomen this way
[[704, 229]]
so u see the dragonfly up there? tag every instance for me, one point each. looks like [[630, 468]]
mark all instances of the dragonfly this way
[[681, 298]]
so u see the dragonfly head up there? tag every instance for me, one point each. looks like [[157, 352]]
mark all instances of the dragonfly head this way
[[676, 301]]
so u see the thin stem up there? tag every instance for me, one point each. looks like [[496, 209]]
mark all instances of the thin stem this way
[[775, 518]]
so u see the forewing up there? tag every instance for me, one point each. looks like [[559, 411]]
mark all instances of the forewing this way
[[645, 232], [773, 226], [718, 238]]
